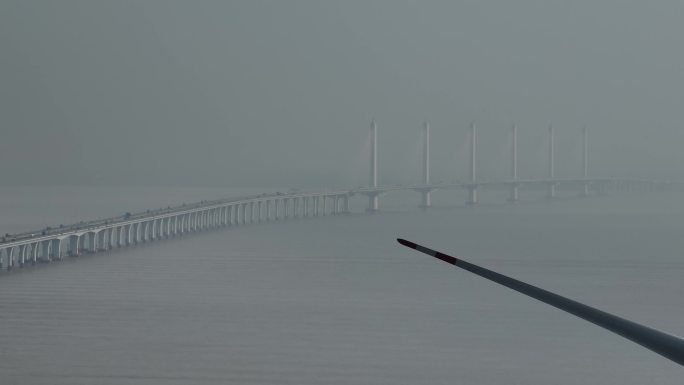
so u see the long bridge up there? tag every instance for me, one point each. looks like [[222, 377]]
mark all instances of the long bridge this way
[[54, 244]]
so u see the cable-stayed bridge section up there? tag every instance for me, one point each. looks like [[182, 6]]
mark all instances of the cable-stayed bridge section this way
[[54, 244]]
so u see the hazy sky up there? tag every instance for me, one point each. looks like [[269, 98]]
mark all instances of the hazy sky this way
[[280, 93]]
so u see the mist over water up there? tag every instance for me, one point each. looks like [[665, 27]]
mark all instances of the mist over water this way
[[127, 106], [337, 300]]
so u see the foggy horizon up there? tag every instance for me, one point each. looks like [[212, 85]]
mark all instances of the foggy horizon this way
[[275, 94], [188, 192]]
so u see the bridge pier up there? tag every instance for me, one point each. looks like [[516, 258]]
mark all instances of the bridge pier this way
[[345, 202], [585, 160], [10, 258], [552, 185], [426, 200], [373, 202], [514, 196], [472, 189], [373, 183]]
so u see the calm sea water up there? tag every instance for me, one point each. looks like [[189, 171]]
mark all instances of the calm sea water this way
[[338, 301]]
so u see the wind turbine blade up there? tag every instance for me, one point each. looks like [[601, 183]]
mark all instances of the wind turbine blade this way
[[667, 345]]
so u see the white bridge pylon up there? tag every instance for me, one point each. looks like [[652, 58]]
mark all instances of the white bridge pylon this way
[[426, 187]]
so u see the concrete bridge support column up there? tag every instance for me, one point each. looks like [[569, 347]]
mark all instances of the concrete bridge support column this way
[[10, 258], [120, 237], [146, 231], [34, 252], [30, 253], [552, 159], [157, 229], [22, 255], [46, 252], [373, 198], [101, 240], [514, 197], [239, 214], [373, 202], [472, 195], [129, 234], [472, 190], [57, 249], [92, 242], [425, 194], [37, 251], [585, 160], [72, 246], [426, 198], [305, 207], [112, 241], [106, 239]]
